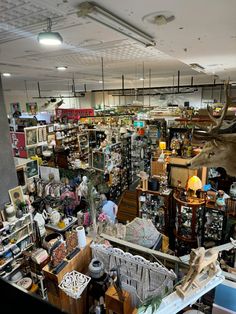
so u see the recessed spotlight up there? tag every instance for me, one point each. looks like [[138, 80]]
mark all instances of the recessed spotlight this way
[[61, 68], [100, 82], [6, 74], [141, 79]]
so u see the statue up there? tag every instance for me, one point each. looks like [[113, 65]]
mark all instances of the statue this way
[[201, 261]]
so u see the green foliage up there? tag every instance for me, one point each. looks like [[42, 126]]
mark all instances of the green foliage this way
[[154, 303]]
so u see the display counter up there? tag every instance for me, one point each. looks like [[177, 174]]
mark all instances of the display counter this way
[[56, 296]]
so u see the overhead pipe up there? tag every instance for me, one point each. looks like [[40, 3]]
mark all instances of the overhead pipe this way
[[123, 84], [178, 81], [159, 87], [39, 91], [103, 93]]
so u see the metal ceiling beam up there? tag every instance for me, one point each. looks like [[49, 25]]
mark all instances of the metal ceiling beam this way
[[159, 87]]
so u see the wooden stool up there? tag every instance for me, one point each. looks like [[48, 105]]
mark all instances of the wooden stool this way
[[115, 305]]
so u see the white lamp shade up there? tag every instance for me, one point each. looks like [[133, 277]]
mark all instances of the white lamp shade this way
[[194, 183]]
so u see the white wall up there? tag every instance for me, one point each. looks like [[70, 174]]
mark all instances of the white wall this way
[[22, 98], [197, 99]]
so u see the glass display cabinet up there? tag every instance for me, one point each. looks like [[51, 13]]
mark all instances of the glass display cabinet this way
[[188, 224]]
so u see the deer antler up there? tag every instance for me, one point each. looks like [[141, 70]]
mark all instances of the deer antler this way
[[220, 125]]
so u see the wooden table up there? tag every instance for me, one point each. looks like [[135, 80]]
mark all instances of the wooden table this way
[[56, 296], [61, 230]]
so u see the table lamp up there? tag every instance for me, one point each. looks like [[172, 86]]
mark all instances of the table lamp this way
[[162, 146], [194, 183]]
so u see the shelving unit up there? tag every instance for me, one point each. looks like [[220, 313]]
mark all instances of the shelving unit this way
[[126, 162], [83, 140], [156, 206], [214, 221], [21, 233]]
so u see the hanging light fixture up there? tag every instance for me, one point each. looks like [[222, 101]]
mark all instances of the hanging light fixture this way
[[49, 38], [101, 15]]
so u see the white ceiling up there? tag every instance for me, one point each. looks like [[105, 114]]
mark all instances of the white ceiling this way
[[203, 32]]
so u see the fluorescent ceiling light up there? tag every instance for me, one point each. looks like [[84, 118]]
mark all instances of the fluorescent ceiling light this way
[[197, 67], [6, 74], [105, 17], [61, 68], [49, 38]]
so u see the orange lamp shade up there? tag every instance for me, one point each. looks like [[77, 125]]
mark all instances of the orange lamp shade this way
[[162, 145]]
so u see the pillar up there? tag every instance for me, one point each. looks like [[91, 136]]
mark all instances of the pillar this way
[[8, 177]]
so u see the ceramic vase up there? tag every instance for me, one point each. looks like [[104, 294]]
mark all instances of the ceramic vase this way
[[10, 212]]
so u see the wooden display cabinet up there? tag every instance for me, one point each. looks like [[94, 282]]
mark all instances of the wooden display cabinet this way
[[188, 223], [160, 219], [56, 296]]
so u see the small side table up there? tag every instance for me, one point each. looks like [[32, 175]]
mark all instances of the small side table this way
[[114, 304]]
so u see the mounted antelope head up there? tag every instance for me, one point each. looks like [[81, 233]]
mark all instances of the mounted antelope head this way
[[220, 147]]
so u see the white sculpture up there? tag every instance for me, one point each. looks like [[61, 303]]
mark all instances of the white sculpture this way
[[83, 187], [41, 224]]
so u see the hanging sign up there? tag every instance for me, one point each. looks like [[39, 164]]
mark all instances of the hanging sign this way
[[139, 124], [74, 114]]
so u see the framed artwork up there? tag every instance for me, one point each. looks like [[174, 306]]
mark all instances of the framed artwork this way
[[98, 161], [50, 128], [38, 151], [32, 108], [51, 139], [15, 109], [18, 144], [31, 169], [30, 151], [42, 134], [31, 138], [16, 195]]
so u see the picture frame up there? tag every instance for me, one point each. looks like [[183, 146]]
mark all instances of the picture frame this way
[[98, 161], [32, 108], [15, 109], [42, 134], [31, 136], [30, 151], [31, 169], [39, 151], [50, 128], [16, 195]]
